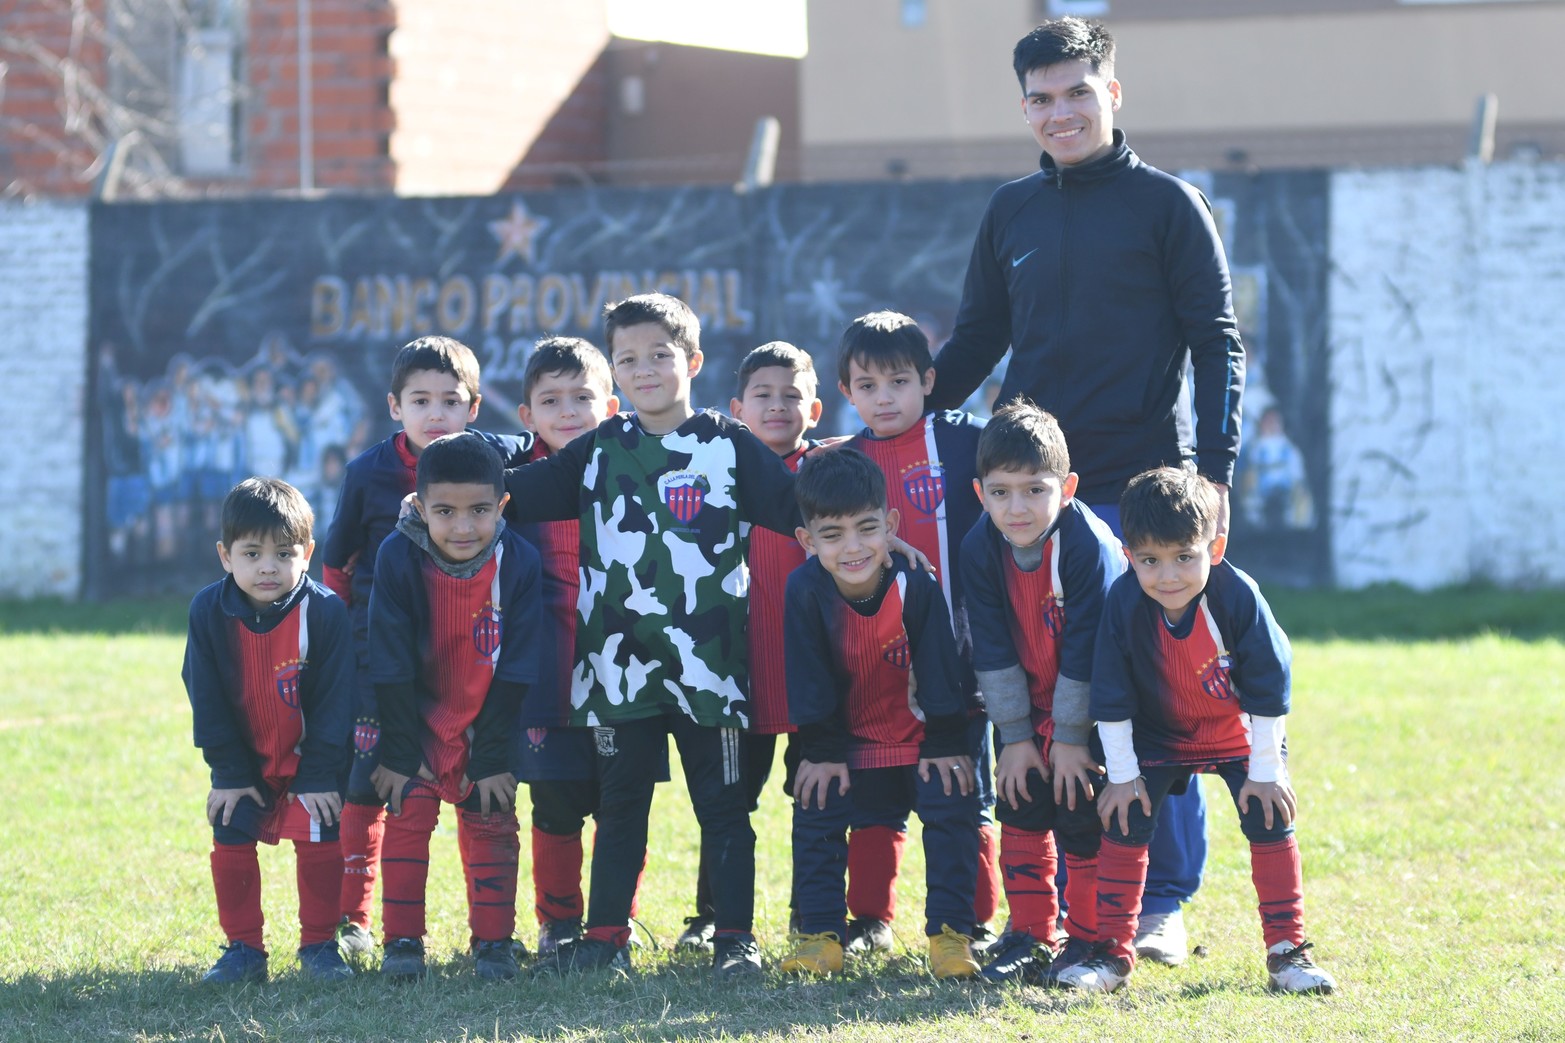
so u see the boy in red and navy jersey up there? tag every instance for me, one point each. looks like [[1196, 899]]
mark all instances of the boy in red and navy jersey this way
[[1039, 564], [878, 694], [269, 671], [434, 392], [454, 621], [1191, 674], [885, 370]]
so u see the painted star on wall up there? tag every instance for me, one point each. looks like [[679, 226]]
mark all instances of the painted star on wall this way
[[825, 300], [518, 233]]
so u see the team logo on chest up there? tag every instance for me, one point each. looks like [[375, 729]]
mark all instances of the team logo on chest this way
[[487, 630], [1053, 616], [366, 735], [536, 737], [1215, 681], [897, 653], [287, 676], [925, 486], [683, 493]]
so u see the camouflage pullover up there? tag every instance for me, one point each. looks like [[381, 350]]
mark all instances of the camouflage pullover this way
[[664, 525]]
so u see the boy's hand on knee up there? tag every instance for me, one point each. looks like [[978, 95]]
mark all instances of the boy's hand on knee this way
[[1115, 800], [949, 770], [1278, 796], [1074, 769], [496, 790], [325, 808], [813, 779], [1017, 760], [222, 802], [389, 786]]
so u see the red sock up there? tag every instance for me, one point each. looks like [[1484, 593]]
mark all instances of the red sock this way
[[236, 877], [1122, 878], [1028, 861], [318, 871], [557, 876], [361, 832], [490, 851], [404, 864], [616, 936], [1081, 897], [986, 899], [1279, 889], [874, 856]]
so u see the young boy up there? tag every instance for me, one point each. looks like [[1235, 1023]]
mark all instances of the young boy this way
[[454, 619], [879, 696], [1037, 566], [269, 671], [1191, 675], [434, 392], [665, 496], [778, 401], [884, 369]]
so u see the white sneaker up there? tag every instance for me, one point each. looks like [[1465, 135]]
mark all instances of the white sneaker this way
[[1161, 938], [1099, 973], [1291, 969]]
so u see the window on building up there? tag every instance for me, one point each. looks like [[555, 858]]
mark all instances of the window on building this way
[[208, 96]]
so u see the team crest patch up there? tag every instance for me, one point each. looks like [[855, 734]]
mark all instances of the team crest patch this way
[[487, 631], [604, 737], [536, 737], [366, 735], [1053, 616], [1215, 680], [925, 486], [287, 677], [897, 653], [683, 492]]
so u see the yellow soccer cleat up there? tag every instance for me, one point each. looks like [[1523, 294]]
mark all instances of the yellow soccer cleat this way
[[814, 954], [951, 954]]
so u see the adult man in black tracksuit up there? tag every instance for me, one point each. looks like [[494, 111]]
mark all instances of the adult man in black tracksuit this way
[[1106, 280]]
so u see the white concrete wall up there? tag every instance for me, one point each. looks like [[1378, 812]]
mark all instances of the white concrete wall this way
[[43, 343], [1448, 401]]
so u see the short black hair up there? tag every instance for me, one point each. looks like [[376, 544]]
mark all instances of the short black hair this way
[[438, 355], [883, 340], [837, 483], [569, 356], [267, 507], [776, 353], [1169, 506], [671, 313], [1021, 437], [461, 459], [1064, 40]]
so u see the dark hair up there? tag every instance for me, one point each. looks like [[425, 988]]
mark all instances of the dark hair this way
[[837, 483], [267, 507], [883, 340], [1168, 506], [460, 459], [567, 356], [438, 355], [671, 313], [1021, 437], [776, 353], [1064, 40]]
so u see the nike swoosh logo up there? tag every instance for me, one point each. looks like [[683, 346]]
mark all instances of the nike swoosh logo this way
[[1018, 260]]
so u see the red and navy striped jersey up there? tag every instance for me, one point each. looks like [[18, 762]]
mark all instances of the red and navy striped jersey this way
[[548, 702], [1046, 620], [271, 692], [1187, 688], [880, 675]]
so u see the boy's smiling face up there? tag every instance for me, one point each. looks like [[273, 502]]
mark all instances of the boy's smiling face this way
[[779, 405], [654, 374], [564, 405], [1174, 575], [853, 548], [462, 517], [888, 400]]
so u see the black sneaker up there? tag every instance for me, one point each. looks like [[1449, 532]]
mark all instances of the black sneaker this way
[[1016, 956], [496, 960], [867, 934], [697, 933], [239, 963], [736, 956], [587, 955], [1074, 951], [984, 937], [403, 959], [323, 961], [554, 933]]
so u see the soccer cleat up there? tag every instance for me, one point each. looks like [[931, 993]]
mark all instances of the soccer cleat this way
[[586, 955], [984, 937], [1074, 951], [239, 963], [403, 959], [697, 933], [951, 954], [554, 933], [813, 954], [1016, 956], [323, 961], [495, 960], [1161, 938], [1290, 969], [867, 934], [736, 956], [1099, 972], [354, 940]]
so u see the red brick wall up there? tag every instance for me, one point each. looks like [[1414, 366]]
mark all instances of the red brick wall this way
[[38, 154]]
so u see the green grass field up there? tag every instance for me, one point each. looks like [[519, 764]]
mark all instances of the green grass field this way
[[1428, 749]]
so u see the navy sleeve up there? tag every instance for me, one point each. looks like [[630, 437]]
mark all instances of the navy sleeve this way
[[1113, 682], [495, 729], [1262, 657], [216, 729], [938, 667], [1091, 561], [345, 537], [987, 602], [394, 654], [521, 647], [513, 449], [765, 485], [327, 699], [814, 692], [549, 489], [981, 334]]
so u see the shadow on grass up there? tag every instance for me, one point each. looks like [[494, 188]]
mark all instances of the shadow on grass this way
[[160, 615], [1395, 613]]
